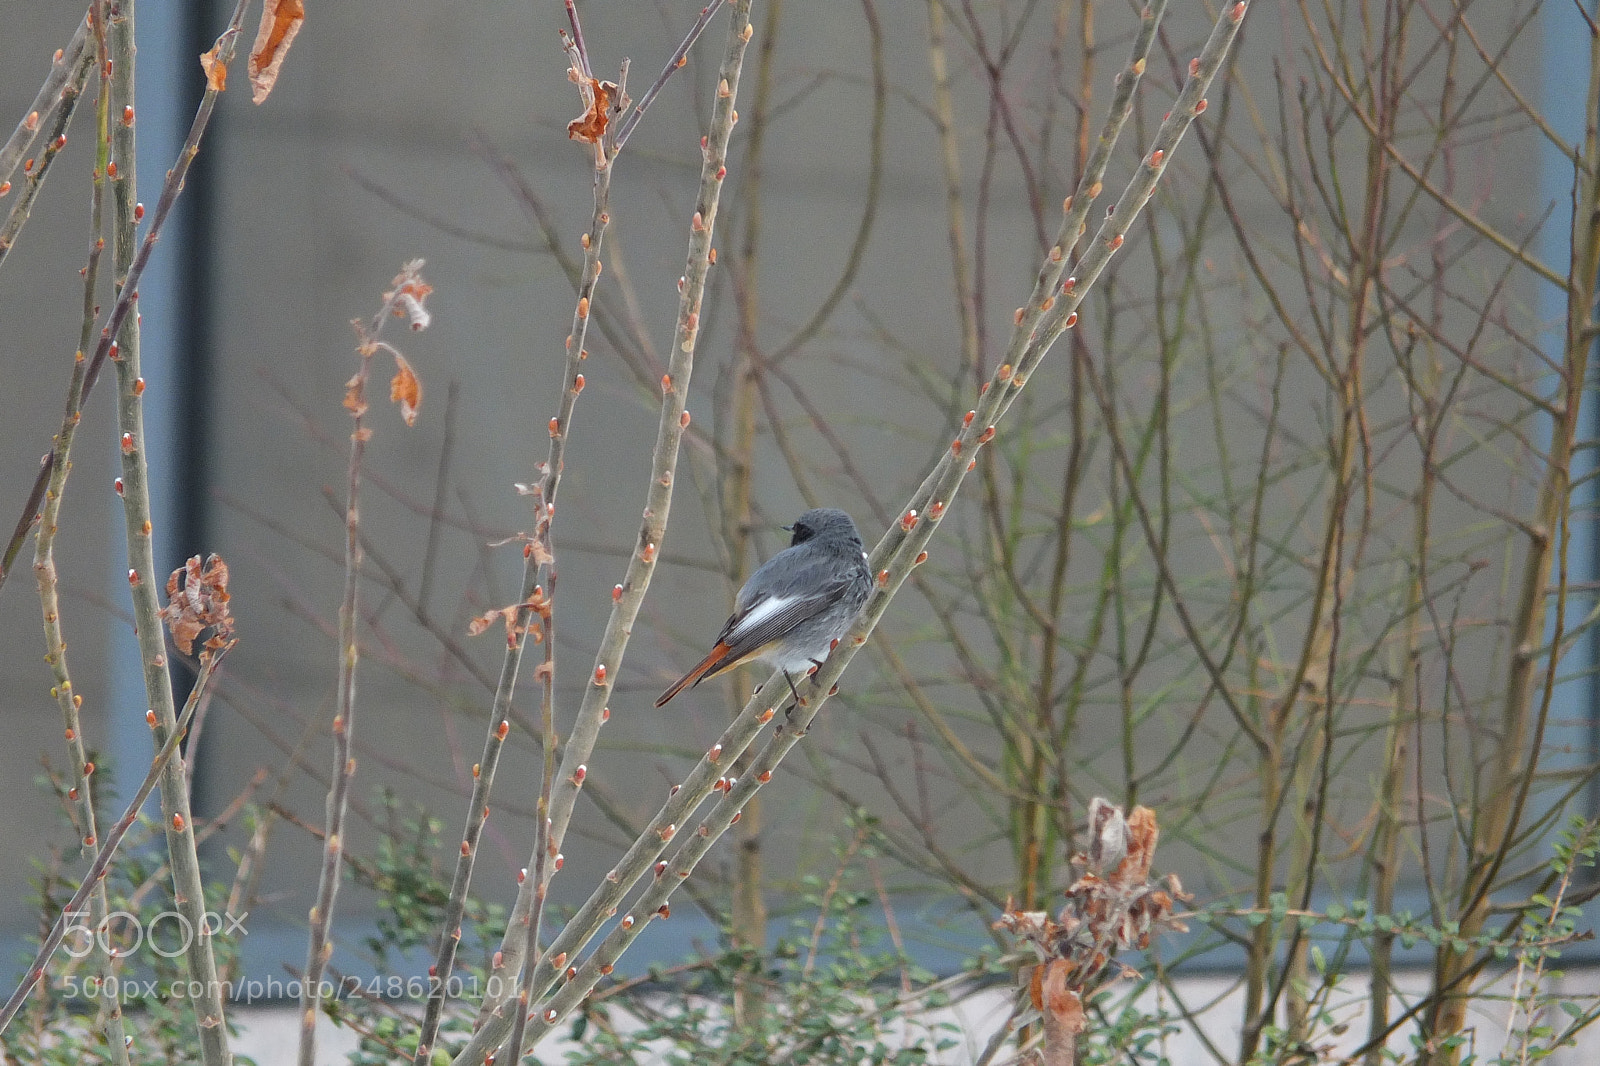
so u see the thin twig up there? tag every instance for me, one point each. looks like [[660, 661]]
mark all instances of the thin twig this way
[[128, 291], [102, 861], [44, 565], [319, 945], [62, 69], [628, 595], [532, 600], [679, 58], [894, 557], [35, 170], [122, 333]]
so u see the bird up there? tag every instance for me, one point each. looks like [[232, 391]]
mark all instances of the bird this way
[[796, 605]]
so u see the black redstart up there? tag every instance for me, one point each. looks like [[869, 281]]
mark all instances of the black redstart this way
[[796, 605]]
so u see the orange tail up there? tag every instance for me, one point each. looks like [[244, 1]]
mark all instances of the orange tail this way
[[711, 664]]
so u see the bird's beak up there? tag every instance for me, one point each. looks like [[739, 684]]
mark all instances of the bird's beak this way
[[787, 529]]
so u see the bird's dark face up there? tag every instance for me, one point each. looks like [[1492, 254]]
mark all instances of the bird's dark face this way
[[823, 521]]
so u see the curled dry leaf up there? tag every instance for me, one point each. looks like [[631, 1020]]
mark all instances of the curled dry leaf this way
[[197, 600], [591, 125], [539, 551], [1062, 1010], [409, 294], [354, 402], [405, 389], [539, 605], [1134, 868], [216, 70], [280, 22], [487, 619]]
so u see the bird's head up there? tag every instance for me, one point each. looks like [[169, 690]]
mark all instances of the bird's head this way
[[825, 523]]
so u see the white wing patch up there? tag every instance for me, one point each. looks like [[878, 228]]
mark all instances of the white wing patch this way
[[758, 614]]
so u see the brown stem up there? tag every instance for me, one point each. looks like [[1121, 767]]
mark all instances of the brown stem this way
[[319, 942]]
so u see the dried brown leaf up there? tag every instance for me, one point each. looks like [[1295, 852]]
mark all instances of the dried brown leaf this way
[[507, 614], [406, 390], [197, 600], [410, 295], [280, 22], [1142, 836], [484, 621], [1055, 999], [353, 401], [591, 126], [216, 70], [539, 551], [1061, 1007]]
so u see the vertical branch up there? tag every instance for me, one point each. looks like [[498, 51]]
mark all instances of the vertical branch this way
[[1258, 958], [44, 567], [950, 160], [408, 291], [120, 342], [543, 855], [1384, 854], [536, 560], [749, 912], [628, 595], [1061, 792], [1522, 716]]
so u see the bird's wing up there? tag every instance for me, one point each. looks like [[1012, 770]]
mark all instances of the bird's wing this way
[[768, 618]]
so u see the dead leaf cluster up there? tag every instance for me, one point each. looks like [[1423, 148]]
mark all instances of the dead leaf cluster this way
[[197, 600], [1113, 905], [537, 606]]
